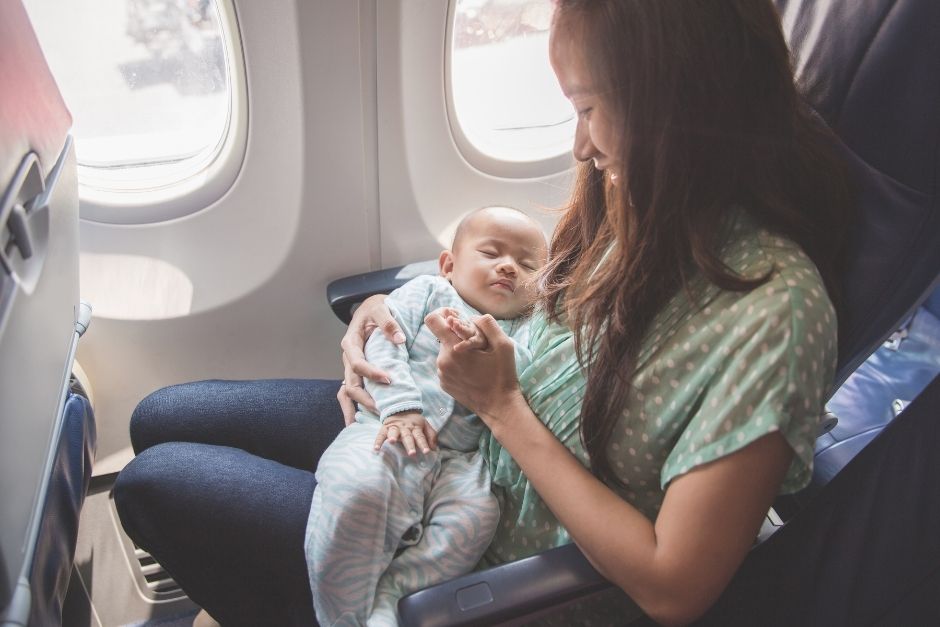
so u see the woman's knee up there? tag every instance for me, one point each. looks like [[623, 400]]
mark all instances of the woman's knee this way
[[147, 418], [159, 416], [150, 486], [137, 490]]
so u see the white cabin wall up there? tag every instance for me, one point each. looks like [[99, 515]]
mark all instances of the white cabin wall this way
[[301, 213]]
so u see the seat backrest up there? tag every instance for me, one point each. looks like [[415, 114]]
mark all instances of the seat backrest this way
[[39, 296], [871, 69]]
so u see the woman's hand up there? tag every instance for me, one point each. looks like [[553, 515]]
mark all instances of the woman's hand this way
[[482, 380], [371, 314]]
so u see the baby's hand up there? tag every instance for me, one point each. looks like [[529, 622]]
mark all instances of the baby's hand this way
[[467, 334], [409, 429], [470, 335]]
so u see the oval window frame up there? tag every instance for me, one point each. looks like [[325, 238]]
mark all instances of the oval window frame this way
[[213, 173], [484, 162]]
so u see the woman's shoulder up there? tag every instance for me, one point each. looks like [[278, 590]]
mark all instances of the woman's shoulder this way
[[751, 250], [790, 275], [789, 296], [789, 279]]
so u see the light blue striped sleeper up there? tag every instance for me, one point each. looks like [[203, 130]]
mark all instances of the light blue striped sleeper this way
[[384, 525]]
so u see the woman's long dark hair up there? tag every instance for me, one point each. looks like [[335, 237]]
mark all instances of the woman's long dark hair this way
[[711, 119]]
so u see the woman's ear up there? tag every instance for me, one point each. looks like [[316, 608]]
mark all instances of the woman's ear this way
[[446, 263]]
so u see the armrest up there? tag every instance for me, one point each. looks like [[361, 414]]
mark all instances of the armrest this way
[[504, 593], [347, 293]]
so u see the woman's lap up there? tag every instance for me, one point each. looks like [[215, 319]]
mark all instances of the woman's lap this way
[[221, 487], [291, 421]]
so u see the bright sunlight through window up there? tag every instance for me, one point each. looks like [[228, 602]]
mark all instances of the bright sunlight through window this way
[[147, 82], [506, 99]]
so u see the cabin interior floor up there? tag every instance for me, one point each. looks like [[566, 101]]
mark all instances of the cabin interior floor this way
[[114, 583]]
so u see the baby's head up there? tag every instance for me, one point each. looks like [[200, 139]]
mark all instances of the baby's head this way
[[495, 254]]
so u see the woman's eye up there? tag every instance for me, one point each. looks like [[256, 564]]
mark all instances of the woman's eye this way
[[583, 113], [528, 266]]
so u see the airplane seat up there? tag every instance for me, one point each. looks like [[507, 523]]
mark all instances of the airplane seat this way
[[871, 69], [47, 432]]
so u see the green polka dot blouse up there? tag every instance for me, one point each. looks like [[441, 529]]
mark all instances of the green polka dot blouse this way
[[717, 371]]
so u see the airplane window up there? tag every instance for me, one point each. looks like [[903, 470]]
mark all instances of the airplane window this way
[[504, 95], [148, 84]]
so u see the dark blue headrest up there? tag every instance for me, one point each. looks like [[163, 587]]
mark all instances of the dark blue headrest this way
[[871, 68]]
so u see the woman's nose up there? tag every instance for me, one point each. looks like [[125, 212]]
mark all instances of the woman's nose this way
[[583, 148]]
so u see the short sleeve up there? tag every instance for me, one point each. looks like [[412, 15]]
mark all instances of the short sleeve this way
[[769, 372]]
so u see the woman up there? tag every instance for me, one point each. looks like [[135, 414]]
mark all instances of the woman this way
[[706, 336], [679, 302]]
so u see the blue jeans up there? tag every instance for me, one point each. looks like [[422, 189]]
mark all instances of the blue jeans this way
[[220, 491]]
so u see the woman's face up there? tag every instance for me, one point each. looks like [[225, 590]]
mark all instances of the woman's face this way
[[596, 137]]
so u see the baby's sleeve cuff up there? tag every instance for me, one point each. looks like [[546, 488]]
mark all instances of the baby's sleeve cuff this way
[[400, 407]]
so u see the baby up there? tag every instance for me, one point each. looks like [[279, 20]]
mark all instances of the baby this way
[[403, 499]]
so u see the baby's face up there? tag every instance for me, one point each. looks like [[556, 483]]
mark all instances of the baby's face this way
[[493, 262]]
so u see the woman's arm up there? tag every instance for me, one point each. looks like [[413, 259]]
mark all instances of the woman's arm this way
[[674, 568]]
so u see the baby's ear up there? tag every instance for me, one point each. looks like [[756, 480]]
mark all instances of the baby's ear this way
[[446, 263]]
